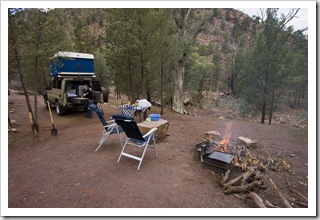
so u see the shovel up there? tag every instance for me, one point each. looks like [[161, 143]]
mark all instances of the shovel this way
[[54, 131]]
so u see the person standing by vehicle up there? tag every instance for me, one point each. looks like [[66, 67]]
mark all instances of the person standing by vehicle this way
[[87, 94]]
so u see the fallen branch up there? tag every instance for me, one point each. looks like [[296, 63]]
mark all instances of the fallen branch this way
[[269, 204], [301, 203], [124, 186], [257, 199], [217, 178], [242, 188], [233, 181], [247, 175], [280, 194], [299, 194], [225, 177], [243, 178], [241, 197]]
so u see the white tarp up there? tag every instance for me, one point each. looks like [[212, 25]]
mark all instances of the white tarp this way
[[144, 103]]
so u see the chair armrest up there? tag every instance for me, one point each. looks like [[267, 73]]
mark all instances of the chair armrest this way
[[111, 121], [111, 126], [150, 132]]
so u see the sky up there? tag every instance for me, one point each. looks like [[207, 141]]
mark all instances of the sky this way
[[299, 22]]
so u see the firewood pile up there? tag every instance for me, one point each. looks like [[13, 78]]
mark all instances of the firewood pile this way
[[248, 176]]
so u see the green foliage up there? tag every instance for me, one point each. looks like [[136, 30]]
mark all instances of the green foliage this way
[[199, 76], [102, 70], [136, 39], [268, 64], [37, 42], [140, 50]]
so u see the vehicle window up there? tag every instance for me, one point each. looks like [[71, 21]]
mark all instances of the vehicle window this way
[[59, 84], [54, 83]]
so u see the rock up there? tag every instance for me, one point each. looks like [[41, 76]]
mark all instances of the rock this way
[[12, 110], [13, 129], [210, 135], [248, 142], [14, 122]]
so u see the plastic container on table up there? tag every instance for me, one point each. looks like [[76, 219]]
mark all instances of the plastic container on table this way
[[155, 117]]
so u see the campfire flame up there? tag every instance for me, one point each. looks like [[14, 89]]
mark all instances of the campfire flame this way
[[223, 144]]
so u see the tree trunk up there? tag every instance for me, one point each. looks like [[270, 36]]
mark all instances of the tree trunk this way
[[161, 84], [178, 98], [271, 108], [16, 54], [143, 83], [36, 124], [263, 110], [130, 80]]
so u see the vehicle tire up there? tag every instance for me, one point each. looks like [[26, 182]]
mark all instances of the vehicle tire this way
[[59, 109]]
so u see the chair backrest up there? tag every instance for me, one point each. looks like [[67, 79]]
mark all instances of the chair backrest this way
[[131, 128]]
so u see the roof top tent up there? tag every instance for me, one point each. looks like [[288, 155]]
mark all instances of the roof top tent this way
[[70, 63]]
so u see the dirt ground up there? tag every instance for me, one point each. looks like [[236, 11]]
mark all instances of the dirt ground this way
[[64, 171]]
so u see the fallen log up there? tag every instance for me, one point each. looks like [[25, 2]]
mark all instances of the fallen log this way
[[247, 175], [257, 199], [242, 188], [233, 181], [243, 177]]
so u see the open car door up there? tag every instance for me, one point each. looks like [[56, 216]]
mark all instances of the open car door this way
[[97, 92]]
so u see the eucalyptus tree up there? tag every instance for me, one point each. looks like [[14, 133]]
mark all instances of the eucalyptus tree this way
[[188, 27]]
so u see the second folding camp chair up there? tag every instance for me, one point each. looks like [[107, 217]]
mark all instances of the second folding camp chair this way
[[136, 138], [109, 127]]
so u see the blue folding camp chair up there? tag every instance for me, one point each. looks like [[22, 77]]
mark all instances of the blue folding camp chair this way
[[136, 138], [110, 127]]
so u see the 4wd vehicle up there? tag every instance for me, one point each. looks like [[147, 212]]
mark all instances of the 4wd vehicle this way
[[70, 72]]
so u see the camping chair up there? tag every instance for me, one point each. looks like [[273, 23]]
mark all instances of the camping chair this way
[[135, 138], [110, 127]]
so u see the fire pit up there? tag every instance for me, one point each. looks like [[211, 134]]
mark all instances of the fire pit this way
[[211, 153]]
